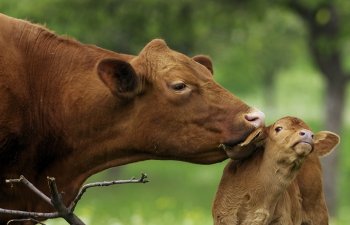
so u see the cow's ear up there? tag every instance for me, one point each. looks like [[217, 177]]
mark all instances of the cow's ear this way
[[119, 76], [325, 142], [205, 61]]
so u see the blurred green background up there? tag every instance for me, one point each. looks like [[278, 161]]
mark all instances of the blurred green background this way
[[285, 57]]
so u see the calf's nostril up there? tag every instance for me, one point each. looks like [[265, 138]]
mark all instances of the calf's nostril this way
[[306, 134]]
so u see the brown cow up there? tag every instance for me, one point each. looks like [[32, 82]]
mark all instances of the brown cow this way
[[70, 110], [263, 189]]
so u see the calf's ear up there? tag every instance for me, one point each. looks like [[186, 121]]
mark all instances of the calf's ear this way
[[205, 61], [325, 142], [248, 146], [256, 136], [119, 76]]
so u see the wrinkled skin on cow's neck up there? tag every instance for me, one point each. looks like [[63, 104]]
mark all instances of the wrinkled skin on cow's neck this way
[[59, 119], [41, 111]]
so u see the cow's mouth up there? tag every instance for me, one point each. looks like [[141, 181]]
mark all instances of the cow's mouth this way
[[208, 157], [231, 144], [244, 147], [236, 151], [229, 147]]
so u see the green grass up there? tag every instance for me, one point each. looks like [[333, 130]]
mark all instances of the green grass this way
[[178, 193], [182, 193]]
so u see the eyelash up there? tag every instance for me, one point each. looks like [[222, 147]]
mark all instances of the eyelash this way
[[178, 86], [278, 129]]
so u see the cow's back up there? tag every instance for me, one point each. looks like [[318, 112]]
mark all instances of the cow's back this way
[[11, 90], [31, 96]]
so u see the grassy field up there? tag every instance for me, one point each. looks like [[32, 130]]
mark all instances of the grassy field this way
[[182, 193], [178, 193]]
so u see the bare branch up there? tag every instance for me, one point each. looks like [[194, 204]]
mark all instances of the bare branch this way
[[57, 202], [24, 181], [56, 198], [142, 179], [24, 220], [29, 214]]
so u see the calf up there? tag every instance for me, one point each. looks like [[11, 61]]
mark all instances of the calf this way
[[273, 185]]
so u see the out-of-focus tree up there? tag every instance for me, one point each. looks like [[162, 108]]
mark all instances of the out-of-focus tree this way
[[329, 33], [263, 45], [276, 49], [123, 25], [238, 42], [250, 41]]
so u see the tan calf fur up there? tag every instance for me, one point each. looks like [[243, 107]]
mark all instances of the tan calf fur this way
[[69, 110], [280, 183]]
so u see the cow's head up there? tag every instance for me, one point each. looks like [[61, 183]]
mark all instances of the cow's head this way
[[173, 109]]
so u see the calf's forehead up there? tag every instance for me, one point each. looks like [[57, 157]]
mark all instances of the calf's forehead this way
[[290, 122]]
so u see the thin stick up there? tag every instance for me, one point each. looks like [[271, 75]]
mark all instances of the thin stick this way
[[24, 220], [143, 179], [29, 214], [57, 201], [24, 181]]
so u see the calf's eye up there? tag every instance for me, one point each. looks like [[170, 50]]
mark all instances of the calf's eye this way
[[278, 129]]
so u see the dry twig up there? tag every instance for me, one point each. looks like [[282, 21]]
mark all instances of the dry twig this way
[[142, 179], [24, 220], [56, 200]]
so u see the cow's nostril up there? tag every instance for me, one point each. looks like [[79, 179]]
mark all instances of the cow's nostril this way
[[251, 118], [256, 118], [301, 133]]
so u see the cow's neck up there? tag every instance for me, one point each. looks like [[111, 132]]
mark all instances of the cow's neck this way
[[66, 98]]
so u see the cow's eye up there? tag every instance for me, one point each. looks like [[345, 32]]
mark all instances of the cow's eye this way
[[278, 129], [178, 86]]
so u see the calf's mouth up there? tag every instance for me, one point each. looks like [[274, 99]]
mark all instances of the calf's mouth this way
[[303, 147]]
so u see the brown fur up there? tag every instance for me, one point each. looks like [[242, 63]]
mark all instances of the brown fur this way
[[275, 185], [70, 110]]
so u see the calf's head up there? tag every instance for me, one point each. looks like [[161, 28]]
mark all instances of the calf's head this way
[[291, 138], [173, 109], [288, 138]]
